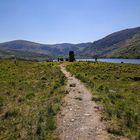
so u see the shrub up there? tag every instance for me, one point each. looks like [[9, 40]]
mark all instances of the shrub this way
[[100, 88]]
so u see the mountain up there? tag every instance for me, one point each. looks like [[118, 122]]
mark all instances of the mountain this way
[[123, 44], [63, 49], [20, 47], [131, 49], [22, 54]]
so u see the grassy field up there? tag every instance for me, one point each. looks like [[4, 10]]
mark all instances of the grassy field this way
[[30, 97], [116, 87]]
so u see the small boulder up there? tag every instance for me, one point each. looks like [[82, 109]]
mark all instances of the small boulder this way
[[72, 85]]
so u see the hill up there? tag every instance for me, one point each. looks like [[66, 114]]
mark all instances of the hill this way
[[131, 49], [124, 44], [27, 48], [22, 49], [7, 53]]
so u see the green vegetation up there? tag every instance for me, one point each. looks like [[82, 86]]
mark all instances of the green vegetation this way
[[30, 97], [71, 56], [131, 49], [36, 51], [116, 87], [122, 44], [32, 56]]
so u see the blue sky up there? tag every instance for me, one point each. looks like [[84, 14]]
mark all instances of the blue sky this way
[[71, 21]]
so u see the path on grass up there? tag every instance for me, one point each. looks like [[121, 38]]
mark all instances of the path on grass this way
[[79, 118]]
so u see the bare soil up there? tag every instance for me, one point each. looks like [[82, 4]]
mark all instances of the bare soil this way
[[79, 118]]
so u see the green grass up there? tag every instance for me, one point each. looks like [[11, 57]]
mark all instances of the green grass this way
[[130, 49], [30, 97], [116, 87]]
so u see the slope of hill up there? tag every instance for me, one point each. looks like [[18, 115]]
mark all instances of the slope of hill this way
[[7, 53], [22, 49], [131, 49], [22, 46], [124, 44], [3, 52], [116, 45], [64, 48]]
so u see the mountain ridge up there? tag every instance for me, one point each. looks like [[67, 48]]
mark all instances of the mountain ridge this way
[[115, 45], [107, 45]]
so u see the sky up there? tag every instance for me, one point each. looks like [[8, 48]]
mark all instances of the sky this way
[[65, 21]]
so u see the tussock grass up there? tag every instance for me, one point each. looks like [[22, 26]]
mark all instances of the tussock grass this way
[[116, 87], [30, 97]]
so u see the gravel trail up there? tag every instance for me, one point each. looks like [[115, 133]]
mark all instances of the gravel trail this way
[[79, 118]]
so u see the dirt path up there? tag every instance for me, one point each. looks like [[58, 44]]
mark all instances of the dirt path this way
[[79, 118]]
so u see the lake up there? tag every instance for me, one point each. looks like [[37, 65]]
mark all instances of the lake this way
[[114, 60]]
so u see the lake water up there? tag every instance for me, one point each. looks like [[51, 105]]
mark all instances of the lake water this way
[[114, 60]]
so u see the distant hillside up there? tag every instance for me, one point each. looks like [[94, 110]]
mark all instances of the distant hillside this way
[[131, 49], [22, 49], [19, 47], [4, 53], [124, 44]]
